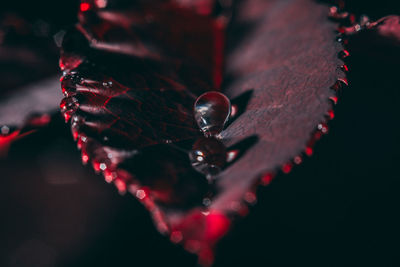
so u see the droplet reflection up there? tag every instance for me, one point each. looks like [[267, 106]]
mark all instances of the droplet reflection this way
[[208, 156]]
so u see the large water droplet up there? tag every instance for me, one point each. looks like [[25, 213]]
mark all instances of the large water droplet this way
[[211, 111]]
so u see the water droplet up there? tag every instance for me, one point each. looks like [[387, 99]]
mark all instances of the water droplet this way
[[5, 130], [76, 122], [101, 3], [208, 156], [69, 82], [211, 111], [81, 141], [323, 128], [206, 202], [68, 107], [108, 84], [103, 166], [141, 194], [339, 38], [85, 158], [297, 160]]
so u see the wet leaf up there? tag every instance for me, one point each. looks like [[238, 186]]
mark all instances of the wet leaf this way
[[133, 72]]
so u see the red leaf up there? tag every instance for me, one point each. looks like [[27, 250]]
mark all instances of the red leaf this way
[[132, 74]]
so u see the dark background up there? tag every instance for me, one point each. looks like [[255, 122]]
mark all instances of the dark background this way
[[339, 208]]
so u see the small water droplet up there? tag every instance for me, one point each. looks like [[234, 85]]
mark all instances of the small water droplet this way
[[103, 166], [68, 107], [5, 130], [297, 160], [76, 122], [141, 194], [211, 111], [85, 158], [323, 128], [69, 83], [333, 10], [108, 84], [206, 202], [208, 156], [339, 38], [81, 141], [101, 3]]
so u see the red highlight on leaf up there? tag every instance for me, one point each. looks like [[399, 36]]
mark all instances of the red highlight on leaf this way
[[286, 168], [267, 179], [84, 7], [5, 142]]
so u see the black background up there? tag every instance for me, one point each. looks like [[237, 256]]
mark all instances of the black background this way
[[339, 208]]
